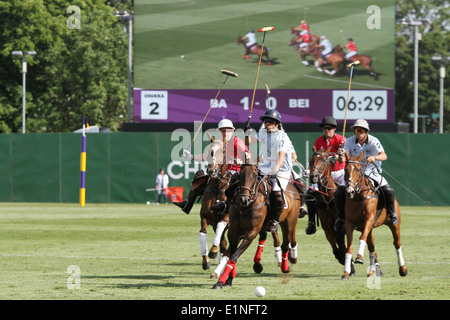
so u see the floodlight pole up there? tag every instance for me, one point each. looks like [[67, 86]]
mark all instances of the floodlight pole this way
[[441, 89], [22, 55], [124, 16], [415, 24]]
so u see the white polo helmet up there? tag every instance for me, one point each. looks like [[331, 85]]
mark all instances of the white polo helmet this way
[[361, 123], [225, 123]]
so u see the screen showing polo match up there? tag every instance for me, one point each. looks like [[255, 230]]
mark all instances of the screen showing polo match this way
[[307, 59]]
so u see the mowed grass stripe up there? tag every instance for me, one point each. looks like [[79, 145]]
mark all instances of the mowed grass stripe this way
[[214, 13]]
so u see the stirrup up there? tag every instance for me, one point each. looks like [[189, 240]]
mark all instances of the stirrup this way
[[303, 212], [273, 226]]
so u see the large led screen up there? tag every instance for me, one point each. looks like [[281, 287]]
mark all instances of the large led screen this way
[[182, 46]]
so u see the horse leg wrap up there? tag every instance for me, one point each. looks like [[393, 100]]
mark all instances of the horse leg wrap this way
[[372, 267], [203, 238], [230, 270], [278, 254], [219, 231], [401, 261], [221, 265], [362, 246], [348, 263], [293, 251], [259, 251], [284, 263]]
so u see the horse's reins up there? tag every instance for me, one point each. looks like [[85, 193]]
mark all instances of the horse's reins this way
[[358, 185], [253, 191], [322, 170], [303, 185]]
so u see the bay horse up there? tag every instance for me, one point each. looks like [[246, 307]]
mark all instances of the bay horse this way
[[256, 49], [364, 60], [302, 52], [320, 174], [249, 216], [214, 191], [333, 58], [314, 39], [363, 212]]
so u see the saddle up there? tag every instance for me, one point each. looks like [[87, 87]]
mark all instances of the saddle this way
[[199, 182]]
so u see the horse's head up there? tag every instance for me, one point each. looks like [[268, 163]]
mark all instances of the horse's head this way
[[353, 175], [317, 165], [247, 183], [294, 31], [239, 40], [216, 159]]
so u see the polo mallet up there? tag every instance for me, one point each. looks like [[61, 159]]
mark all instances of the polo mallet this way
[[228, 74], [350, 65], [267, 90], [265, 29]]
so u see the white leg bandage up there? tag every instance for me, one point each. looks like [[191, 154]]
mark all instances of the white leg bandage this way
[[278, 254], [203, 237], [401, 262], [362, 246], [372, 261], [221, 266], [348, 263], [293, 251], [219, 231]]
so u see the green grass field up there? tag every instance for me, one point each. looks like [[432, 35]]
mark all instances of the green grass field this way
[[205, 33], [134, 252]]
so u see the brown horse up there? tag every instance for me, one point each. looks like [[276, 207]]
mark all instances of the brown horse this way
[[365, 61], [288, 218], [334, 59], [249, 217], [214, 191], [302, 52], [320, 174], [364, 211], [314, 39], [256, 49]]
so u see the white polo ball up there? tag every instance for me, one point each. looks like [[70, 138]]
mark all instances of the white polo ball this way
[[260, 291]]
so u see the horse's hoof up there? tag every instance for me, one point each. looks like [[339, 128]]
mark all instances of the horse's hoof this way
[[359, 260], [214, 276], [213, 252], [403, 271], [229, 282], [206, 265], [218, 285], [345, 277], [292, 260], [287, 270], [257, 267]]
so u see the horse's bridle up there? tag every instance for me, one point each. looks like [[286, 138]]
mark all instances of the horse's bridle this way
[[254, 190], [358, 186], [320, 171]]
